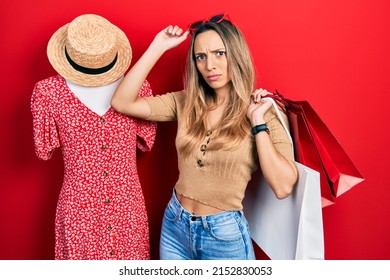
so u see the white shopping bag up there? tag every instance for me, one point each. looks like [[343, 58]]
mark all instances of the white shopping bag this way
[[289, 228]]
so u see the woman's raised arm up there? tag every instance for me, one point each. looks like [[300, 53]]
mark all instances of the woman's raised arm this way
[[125, 99]]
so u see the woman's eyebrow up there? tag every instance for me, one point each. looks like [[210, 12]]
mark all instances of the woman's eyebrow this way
[[212, 51]]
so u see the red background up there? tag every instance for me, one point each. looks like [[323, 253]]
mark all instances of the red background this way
[[333, 53]]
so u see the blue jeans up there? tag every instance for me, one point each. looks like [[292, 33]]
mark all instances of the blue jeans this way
[[221, 236]]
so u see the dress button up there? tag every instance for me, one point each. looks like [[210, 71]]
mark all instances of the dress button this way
[[109, 227], [112, 252], [101, 120], [105, 173], [107, 200], [104, 147], [200, 163], [193, 218]]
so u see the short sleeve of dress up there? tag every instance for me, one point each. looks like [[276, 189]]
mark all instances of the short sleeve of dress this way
[[46, 138], [278, 133], [146, 130]]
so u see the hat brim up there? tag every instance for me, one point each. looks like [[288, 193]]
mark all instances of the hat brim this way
[[57, 58]]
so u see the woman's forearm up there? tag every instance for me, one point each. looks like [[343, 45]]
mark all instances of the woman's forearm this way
[[125, 99], [280, 173]]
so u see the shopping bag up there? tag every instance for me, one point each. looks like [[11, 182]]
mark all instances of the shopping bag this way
[[341, 171], [338, 173], [306, 153], [289, 228]]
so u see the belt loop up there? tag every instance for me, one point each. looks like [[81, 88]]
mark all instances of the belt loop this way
[[204, 222], [180, 213], [240, 215]]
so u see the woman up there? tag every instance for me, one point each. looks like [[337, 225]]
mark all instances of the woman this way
[[217, 153]]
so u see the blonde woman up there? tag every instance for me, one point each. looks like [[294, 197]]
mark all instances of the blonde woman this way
[[225, 131]]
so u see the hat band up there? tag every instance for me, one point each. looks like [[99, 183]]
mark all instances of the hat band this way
[[90, 71]]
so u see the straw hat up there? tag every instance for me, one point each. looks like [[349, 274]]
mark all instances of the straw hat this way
[[89, 51]]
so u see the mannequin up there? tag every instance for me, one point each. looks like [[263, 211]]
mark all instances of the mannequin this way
[[96, 99], [101, 211]]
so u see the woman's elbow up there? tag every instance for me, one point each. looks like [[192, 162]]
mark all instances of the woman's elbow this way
[[117, 105], [286, 189], [284, 193]]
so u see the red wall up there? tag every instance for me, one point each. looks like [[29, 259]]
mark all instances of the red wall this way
[[333, 53]]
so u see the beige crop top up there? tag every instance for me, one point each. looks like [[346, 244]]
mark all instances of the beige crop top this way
[[216, 178]]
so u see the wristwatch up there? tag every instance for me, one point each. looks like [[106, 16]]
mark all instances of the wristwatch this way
[[258, 128]]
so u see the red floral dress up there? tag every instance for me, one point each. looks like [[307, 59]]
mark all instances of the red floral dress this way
[[101, 211]]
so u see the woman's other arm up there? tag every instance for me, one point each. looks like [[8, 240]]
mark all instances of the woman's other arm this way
[[280, 173]]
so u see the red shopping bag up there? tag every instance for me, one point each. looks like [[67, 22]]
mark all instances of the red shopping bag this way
[[306, 153], [317, 147], [341, 171]]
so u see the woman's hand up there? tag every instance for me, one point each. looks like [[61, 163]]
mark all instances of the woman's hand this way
[[258, 107], [170, 37]]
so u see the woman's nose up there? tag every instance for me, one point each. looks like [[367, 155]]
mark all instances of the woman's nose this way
[[210, 63]]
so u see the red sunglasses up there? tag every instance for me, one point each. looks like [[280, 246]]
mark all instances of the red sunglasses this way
[[216, 19]]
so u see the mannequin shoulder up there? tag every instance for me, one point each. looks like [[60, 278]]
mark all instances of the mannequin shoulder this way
[[48, 86], [50, 82]]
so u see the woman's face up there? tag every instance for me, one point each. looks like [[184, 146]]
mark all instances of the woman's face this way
[[210, 56]]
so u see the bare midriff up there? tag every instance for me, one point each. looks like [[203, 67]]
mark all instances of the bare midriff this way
[[195, 207]]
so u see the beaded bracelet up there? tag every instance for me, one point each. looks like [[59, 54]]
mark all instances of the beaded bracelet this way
[[258, 128]]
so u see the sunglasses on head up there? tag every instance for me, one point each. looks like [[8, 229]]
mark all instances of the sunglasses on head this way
[[216, 19]]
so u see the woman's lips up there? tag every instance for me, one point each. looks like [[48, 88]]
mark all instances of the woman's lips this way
[[213, 77]]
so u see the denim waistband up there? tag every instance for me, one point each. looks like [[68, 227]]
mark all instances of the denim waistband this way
[[206, 220]]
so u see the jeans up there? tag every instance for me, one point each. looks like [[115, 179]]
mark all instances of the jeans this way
[[221, 236]]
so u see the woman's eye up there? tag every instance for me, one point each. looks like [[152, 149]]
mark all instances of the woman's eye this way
[[220, 53], [200, 57]]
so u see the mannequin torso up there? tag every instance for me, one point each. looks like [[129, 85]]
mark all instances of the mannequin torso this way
[[101, 186], [97, 99]]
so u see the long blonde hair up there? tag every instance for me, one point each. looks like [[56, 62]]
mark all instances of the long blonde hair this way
[[200, 96]]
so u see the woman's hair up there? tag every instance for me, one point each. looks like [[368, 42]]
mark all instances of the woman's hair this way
[[200, 96]]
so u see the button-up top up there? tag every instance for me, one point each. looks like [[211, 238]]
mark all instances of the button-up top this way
[[216, 178]]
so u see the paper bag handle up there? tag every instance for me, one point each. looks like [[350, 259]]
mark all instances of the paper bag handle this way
[[281, 120]]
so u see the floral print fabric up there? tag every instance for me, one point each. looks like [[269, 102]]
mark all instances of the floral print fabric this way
[[101, 211]]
